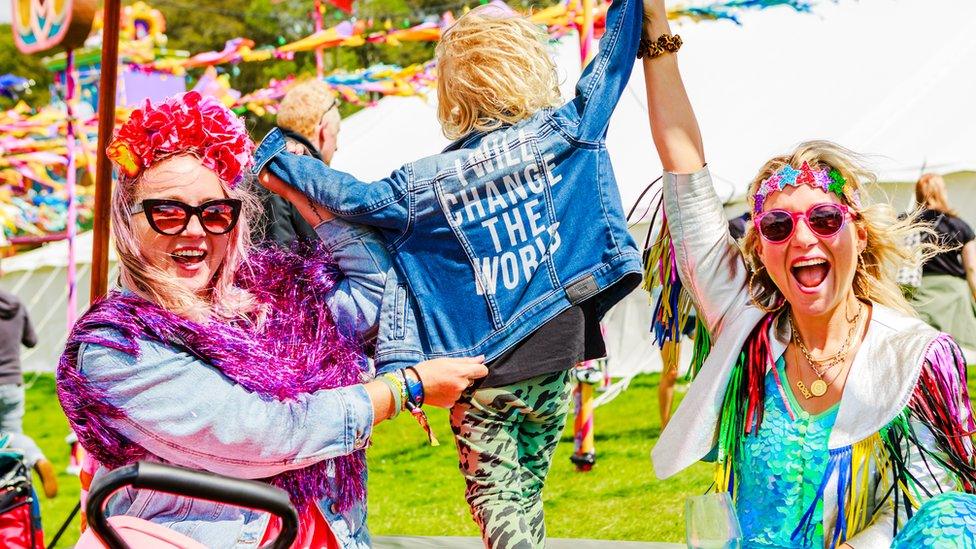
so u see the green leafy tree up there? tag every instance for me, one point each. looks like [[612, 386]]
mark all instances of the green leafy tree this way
[[26, 66]]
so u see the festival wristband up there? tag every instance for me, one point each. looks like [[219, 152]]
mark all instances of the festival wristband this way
[[397, 389], [415, 387], [416, 411]]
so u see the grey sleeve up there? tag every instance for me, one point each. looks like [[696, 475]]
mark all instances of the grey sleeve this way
[[29, 338]]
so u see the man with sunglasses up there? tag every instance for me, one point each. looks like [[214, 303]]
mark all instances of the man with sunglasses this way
[[309, 118]]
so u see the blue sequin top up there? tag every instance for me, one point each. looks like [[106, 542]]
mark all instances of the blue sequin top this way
[[781, 470]]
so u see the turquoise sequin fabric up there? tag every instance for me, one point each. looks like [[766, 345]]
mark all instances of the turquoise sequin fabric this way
[[948, 520], [781, 470]]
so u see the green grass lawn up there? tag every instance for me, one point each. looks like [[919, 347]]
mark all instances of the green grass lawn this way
[[416, 490]]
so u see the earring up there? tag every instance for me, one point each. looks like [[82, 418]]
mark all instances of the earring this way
[[757, 300]]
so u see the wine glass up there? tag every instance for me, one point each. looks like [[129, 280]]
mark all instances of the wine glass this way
[[710, 522]]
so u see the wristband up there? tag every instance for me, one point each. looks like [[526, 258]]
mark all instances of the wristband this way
[[415, 387], [397, 389], [413, 406]]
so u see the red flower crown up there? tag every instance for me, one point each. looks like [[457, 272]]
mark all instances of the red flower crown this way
[[187, 123]]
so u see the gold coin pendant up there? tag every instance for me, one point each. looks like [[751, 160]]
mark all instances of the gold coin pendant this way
[[818, 388]]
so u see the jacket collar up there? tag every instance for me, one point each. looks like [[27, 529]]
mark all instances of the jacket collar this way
[[879, 385]]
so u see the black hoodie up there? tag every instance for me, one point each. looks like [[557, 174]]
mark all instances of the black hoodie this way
[[15, 329]]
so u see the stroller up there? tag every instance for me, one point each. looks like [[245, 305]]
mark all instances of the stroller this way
[[20, 513], [122, 532]]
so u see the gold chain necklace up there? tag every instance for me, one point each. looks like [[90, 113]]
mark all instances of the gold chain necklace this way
[[823, 366]]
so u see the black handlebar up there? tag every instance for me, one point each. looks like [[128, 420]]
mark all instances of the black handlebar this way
[[195, 484]]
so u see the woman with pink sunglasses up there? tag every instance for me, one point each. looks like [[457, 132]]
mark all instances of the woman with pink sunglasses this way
[[833, 414]]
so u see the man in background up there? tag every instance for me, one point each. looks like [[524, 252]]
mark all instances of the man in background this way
[[15, 330], [309, 118]]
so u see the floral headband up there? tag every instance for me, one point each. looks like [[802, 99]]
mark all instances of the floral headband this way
[[830, 180], [188, 123]]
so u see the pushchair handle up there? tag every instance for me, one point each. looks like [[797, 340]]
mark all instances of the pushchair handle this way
[[195, 484]]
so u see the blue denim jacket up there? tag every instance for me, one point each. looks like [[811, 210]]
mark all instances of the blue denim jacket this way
[[503, 230], [185, 412]]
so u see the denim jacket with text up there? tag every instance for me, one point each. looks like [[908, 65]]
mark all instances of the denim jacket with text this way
[[503, 230]]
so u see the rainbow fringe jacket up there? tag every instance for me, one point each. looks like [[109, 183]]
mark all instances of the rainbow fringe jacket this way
[[903, 432]]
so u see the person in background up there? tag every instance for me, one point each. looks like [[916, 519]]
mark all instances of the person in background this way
[[737, 225], [309, 118], [946, 298], [16, 330]]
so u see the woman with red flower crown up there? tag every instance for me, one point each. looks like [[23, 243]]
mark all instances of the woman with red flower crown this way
[[216, 357]]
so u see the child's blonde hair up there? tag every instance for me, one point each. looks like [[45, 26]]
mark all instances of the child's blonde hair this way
[[493, 68], [886, 234]]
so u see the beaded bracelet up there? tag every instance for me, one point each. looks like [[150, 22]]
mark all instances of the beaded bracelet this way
[[650, 49]]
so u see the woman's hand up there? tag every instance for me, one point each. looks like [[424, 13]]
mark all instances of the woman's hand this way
[[445, 379]]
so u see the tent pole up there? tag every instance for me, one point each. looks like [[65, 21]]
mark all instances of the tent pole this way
[[106, 126]]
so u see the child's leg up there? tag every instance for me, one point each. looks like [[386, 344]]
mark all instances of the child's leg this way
[[487, 425], [539, 434]]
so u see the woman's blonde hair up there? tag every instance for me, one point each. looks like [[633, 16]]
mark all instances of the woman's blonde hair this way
[[885, 249], [930, 192], [493, 68], [224, 299]]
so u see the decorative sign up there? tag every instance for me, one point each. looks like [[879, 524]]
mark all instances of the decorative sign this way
[[42, 25]]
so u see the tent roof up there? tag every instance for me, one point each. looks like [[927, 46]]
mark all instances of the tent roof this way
[[54, 254], [890, 80]]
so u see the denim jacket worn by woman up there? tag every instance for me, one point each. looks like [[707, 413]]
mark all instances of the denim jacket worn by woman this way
[[185, 412], [503, 230]]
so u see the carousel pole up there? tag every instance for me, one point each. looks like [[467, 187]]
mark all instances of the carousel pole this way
[[106, 125], [69, 184], [319, 62], [587, 373]]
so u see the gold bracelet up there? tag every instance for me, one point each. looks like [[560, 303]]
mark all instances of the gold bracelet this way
[[651, 49]]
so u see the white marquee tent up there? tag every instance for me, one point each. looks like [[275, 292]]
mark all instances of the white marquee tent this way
[[891, 79]]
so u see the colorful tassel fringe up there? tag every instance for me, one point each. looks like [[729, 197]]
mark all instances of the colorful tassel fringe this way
[[674, 306], [940, 403]]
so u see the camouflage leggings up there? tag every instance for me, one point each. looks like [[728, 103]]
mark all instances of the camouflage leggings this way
[[505, 440]]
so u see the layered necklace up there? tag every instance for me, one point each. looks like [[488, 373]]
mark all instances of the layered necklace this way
[[823, 366]]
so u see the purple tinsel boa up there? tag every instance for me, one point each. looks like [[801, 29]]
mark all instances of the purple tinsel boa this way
[[298, 337]]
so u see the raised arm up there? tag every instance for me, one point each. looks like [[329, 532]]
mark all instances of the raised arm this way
[[673, 123], [605, 78], [709, 261]]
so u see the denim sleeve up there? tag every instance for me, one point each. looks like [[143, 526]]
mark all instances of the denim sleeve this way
[[185, 411], [605, 78], [381, 203], [364, 262]]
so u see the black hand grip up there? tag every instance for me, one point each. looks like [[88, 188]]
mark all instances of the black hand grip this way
[[195, 484]]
